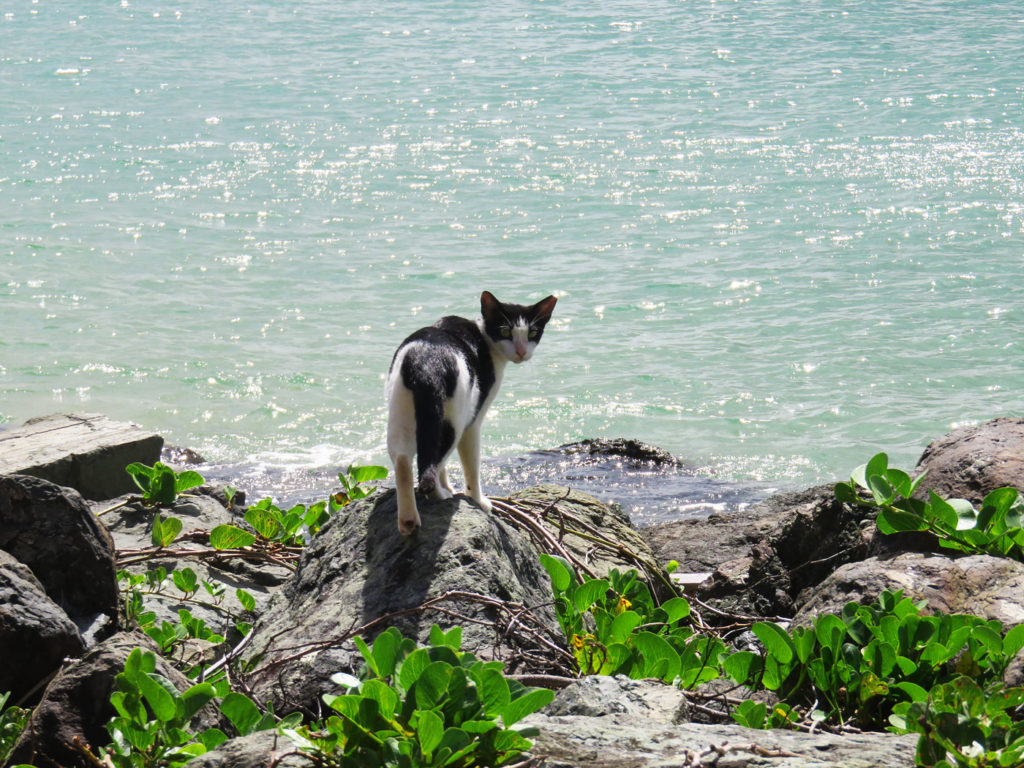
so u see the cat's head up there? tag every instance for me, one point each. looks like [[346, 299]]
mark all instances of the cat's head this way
[[513, 328]]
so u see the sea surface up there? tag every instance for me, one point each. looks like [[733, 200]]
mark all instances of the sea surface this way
[[784, 235]]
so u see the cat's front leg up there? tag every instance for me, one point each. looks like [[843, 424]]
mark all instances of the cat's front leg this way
[[469, 455], [442, 477]]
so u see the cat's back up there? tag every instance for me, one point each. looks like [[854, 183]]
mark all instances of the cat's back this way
[[438, 352]]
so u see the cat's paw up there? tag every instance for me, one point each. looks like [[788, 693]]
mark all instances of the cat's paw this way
[[408, 524], [440, 493], [483, 502]]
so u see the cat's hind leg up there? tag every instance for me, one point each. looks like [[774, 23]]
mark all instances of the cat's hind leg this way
[[469, 455], [401, 438]]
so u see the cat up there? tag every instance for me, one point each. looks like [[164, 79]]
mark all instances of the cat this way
[[441, 382]]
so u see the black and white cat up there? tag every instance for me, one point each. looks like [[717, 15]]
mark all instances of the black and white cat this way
[[441, 382]]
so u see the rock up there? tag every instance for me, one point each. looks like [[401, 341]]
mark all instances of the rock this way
[[359, 569], [35, 634], [765, 555], [619, 740], [87, 452], [76, 704], [600, 695], [980, 585], [50, 529], [257, 750], [968, 463], [601, 449], [609, 519]]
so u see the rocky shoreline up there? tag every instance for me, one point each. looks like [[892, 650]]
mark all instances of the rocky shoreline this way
[[792, 556]]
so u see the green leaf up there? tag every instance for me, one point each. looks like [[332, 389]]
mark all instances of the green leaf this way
[[412, 667], [157, 692], [1014, 641], [187, 480], [559, 570], [900, 481], [432, 684], [881, 491], [165, 531], [897, 520], [185, 580], [265, 520], [527, 704], [742, 667], [676, 608], [194, 699], [776, 640], [241, 711], [367, 474], [383, 694], [967, 515], [246, 599], [385, 651], [141, 474], [230, 537], [622, 626], [660, 658], [429, 731], [494, 691], [589, 593]]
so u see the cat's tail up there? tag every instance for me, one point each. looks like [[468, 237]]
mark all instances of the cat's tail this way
[[408, 515]]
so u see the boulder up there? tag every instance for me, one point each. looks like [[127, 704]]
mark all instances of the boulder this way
[[615, 741], [50, 529], [76, 704], [764, 556], [360, 574], [968, 463], [84, 451], [35, 634], [980, 585]]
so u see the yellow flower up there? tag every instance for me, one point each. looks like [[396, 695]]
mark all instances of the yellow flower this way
[[623, 605], [577, 642]]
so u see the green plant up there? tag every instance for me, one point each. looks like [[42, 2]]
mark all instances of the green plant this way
[[862, 665], [355, 484], [161, 485], [417, 707], [150, 729], [12, 722], [965, 724], [274, 526], [995, 529], [168, 635], [613, 626]]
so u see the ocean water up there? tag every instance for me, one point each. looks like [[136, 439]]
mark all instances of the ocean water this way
[[784, 235]]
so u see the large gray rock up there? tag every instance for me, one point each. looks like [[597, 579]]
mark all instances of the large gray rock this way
[[968, 463], [50, 529], [980, 585], [629, 741], [35, 634], [762, 557], [84, 451], [358, 569], [77, 705]]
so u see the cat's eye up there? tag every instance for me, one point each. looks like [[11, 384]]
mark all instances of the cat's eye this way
[[506, 332], [533, 333]]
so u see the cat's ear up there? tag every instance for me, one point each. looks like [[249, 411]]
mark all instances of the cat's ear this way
[[488, 304], [543, 308]]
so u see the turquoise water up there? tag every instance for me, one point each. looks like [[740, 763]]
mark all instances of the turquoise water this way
[[785, 235]]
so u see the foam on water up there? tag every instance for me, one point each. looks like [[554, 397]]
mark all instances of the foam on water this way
[[784, 236]]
